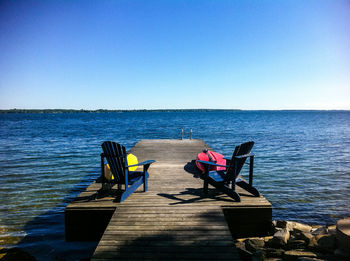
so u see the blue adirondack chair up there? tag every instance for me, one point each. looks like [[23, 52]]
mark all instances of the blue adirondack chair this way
[[226, 180], [116, 157]]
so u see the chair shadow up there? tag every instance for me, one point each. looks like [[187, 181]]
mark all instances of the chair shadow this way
[[191, 168], [100, 194], [213, 194]]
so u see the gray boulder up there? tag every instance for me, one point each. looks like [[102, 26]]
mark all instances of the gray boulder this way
[[285, 224], [275, 243], [244, 254], [304, 258], [291, 225], [305, 236], [299, 227], [296, 244], [273, 252], [327, 243], [254, 244], [319, 231], [294, 255], [282, 235], [332, 229]]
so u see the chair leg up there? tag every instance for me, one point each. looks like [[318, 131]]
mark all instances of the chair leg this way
[[249, 188], [230, 192], [233, 185], [205, 186], [234, 195], [145, 183], [224, 188]]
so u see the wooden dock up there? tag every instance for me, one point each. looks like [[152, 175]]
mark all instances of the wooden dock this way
[[173, 220]]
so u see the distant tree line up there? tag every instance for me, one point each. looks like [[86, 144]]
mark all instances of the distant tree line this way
[[103, 110]]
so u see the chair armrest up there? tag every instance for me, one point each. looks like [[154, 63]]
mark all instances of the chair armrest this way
[[147, 162], [244, 156], [212, 163], [145, 165]]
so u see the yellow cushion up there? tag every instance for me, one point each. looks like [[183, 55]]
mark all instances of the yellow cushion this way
[[108, 173], [132, 160]]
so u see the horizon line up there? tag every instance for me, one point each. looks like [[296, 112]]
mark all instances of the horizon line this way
[[15, 110]]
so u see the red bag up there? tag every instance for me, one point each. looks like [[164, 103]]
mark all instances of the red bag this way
[[211, 156]]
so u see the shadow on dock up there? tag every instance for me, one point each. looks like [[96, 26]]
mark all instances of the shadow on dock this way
[[198, 195], [191, 168], [201, 243]]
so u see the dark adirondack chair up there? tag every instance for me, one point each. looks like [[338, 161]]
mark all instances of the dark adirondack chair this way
[[117, 159], [226, 180]]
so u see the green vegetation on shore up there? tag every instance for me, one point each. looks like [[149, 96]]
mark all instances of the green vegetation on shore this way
[[139, 110], [103, 110]]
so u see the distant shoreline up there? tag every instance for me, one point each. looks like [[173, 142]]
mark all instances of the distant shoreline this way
[[142, 110], [105, 110]]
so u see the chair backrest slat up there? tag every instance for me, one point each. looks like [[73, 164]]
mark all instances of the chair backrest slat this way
[[115, 155], [242, 149]]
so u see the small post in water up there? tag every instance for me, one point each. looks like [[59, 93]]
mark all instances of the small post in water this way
[[182, 134], [191, 134]]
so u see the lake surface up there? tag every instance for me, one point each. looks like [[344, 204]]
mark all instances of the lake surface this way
[[302, 164]]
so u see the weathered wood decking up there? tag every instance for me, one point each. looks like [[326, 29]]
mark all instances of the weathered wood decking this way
[[173, 220]]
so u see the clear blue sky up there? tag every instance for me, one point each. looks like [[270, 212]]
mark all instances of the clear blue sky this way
[[175, 54]]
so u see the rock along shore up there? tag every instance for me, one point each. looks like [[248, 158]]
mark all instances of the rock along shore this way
[[293, 241]]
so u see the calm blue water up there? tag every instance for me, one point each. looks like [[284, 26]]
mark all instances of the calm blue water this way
[[302, 164]]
